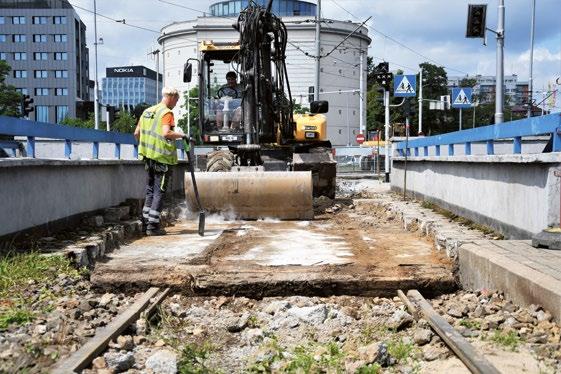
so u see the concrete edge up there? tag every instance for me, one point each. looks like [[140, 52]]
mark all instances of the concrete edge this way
[[509, 231], [19, 162], [551, 158], [483, 269]]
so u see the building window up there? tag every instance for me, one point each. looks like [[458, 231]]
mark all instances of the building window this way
[[39, 38], [61, 92], [3, 56], [18, 20], [20, 56], [42, 113], [59, 20], [2, 20], [20, 73], [22, 91], [61, 38], [61, 113], [19, 38], [41, 92], [39, 20], [61, 73], [3, 38], [40, 56], [61, 56], [41, 74]]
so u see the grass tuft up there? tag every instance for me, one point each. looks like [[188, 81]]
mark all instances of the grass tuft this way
[[193, 359], [509, 340]]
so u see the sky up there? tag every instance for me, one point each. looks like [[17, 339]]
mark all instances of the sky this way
[[403, 32]]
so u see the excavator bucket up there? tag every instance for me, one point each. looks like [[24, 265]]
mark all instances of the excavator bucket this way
[[285, 195]]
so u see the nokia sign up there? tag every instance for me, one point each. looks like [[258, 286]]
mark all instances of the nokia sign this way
[[130, 71], [123, 70]]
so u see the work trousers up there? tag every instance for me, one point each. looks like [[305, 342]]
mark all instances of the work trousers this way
[[157, 179]]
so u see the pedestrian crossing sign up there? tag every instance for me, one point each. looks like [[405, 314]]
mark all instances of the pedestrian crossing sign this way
[[405, 86], [461, 97]]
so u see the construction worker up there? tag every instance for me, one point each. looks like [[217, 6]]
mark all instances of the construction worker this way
[[156, 146]]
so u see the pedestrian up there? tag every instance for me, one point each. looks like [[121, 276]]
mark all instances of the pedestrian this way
[[156, 146]]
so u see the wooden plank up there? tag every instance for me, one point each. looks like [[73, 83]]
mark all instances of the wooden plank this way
[[475, 362], [82, 358], [410, 307], [152, 308]]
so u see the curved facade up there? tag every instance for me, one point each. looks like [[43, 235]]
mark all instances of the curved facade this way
[[281, 8], [340, 70]]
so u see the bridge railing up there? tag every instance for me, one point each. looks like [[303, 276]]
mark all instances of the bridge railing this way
[[549, 124], [32, 130]]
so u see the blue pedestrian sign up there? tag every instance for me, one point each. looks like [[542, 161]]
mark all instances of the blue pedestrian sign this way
[[461, 97], [405, 86]]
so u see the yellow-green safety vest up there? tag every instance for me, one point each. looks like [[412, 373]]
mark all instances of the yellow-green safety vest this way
[[152, 143]]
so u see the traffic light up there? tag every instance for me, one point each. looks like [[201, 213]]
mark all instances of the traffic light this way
[[382, 67], [476, 21], [310, 94], [384, 79], [26, 105]]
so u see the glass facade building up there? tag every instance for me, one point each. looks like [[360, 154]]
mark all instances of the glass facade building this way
[[127, 86], [281, 8]]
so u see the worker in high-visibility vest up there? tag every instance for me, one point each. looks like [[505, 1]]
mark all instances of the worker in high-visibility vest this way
[[156, 146]]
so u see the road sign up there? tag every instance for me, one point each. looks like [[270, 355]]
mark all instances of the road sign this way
[[405, 86], [461, 97], [360, 138]]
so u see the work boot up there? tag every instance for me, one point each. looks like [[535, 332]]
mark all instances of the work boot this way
[[155, 231]]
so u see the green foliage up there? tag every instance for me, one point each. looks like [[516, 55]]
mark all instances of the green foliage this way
[[193, 359], [299, 108], [473, 325], [314, 358], [370, 369], [15, 315], [274, 353], [191, 113], [16, 271], [508, 340], [125, 122], [86, 124], [400, 350], [10, 99]]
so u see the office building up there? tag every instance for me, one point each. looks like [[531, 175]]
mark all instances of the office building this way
[[44, 41], [127, 86]]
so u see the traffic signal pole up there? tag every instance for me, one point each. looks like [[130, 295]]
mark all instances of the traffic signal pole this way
[[387, 135], [499, 89]]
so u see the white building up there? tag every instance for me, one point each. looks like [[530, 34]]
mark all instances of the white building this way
[[340, 71]]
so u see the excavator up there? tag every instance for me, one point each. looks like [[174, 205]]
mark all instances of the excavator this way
[[267, 161]]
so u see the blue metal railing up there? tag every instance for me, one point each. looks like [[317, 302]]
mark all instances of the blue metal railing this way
[[550, 124], [31, 129]]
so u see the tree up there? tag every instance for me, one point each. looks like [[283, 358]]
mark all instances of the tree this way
[[435, 84], [299, 108], [125, 122], [191, 113], [10, 99], [86, 124]]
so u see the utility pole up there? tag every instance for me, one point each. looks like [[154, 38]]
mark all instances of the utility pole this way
[[421, 102], [387, 134], [96, 98], [157, 54], [318, 49], [499, 87], [531, 79], [361, 96]]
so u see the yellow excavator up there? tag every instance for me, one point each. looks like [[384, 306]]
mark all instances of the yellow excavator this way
[[268, 162]]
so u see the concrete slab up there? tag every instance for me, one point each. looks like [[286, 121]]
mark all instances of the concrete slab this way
[[358, 251], [526, 274]]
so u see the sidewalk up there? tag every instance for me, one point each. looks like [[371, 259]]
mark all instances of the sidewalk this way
[[526, 274]]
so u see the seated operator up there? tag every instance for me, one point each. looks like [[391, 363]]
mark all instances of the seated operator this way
[[231, 90]]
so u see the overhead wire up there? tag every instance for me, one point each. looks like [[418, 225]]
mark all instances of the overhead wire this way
[[398, 42]]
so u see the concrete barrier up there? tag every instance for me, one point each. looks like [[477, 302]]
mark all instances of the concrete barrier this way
[[36, 192], [517, 195]]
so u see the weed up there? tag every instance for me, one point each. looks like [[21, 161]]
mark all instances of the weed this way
[[370, 369], [15, 315], [508, 340], [193, 357], [274, 353], [400, 350], [472, 325], [371, 333], [253, 322]]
